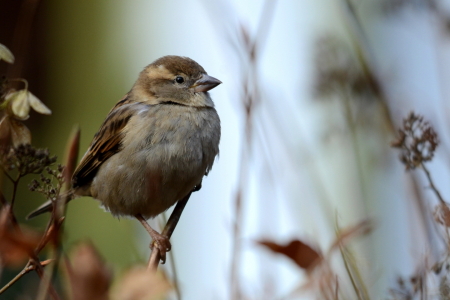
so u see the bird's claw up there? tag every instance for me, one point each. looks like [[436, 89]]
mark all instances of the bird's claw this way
[[163, 244]]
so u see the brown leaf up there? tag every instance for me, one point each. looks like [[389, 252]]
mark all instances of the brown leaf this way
[[16, 244], [442, 214], [13, 131], [20, 133], [88, 275], [302, 254], [141, 284]]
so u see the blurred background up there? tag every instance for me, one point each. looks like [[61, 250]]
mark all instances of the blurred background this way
[[313, 93]]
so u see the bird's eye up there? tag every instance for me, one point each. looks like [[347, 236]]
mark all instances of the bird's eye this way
[[179, 79]]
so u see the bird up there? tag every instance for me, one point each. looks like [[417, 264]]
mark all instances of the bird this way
[[154, 147]]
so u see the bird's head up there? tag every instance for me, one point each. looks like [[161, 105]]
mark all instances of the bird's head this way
[[175, 79]]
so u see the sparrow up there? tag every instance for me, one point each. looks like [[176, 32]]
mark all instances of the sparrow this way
[[155, 145]]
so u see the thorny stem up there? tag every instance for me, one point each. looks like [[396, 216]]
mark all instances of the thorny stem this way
[[28, 267], [168, 230], [433, 187]]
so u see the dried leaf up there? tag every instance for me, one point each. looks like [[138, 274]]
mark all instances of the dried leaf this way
[[88, 275], [442, 214], [16, 244], [140, 284], [19, 104], [5, 131], [37, 105], [5, 54], [20, 133], [302, 254]]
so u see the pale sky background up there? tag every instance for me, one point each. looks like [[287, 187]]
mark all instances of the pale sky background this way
[[281, 201]]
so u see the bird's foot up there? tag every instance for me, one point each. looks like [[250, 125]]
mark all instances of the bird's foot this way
[[162, 243]]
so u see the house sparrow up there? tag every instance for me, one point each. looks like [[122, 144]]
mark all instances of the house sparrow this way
[[155, 145]]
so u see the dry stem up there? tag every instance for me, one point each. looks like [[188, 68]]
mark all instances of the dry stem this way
[[168, 230], [430, 181], [29, 267]]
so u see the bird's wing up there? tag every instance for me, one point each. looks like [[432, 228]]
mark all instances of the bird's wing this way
[[106, 142]]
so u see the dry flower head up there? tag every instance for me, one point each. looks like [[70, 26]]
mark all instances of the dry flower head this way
[[417, 141]]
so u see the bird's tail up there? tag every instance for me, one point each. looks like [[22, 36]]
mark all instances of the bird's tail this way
[[48, 205]]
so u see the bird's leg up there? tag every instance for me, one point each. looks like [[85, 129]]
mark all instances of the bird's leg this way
[[168, 230], [160, 241]]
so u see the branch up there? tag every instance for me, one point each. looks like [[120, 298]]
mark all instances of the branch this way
[[433, 187], [168, 230], [29, 267]]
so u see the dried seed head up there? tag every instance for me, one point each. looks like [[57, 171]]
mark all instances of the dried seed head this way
[[417, 141]]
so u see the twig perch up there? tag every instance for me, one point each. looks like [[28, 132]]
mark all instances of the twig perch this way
[[29, 267], [168, 230]]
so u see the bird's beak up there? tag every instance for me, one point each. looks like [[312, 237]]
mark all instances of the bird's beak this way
[[205, 83]]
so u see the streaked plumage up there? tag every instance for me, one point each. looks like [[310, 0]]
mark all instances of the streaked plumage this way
[[155, 145]]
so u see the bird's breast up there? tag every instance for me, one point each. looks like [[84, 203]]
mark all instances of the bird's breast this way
[[165, 152]]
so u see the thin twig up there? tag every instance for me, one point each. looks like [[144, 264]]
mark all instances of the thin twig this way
[[251, 98], [173, 268], [433, 187], [13, 198], [46, 282], [7, 175], [28, 267], [350, 275], [52, 235], [366, 58], [168, 230], [55, 225], [336, 292]]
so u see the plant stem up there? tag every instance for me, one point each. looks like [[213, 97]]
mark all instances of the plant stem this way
[[7, 175], [168, 230], [28, 267], [433, 187], [15, 185], [173, 266]]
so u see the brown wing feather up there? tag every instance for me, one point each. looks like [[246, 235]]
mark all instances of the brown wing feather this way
[[106, 142]]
